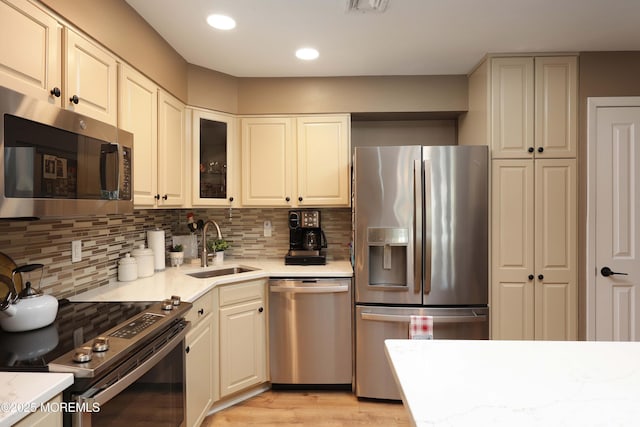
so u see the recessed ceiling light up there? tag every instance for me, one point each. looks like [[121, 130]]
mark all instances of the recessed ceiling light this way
[[221, 22], [307, 53]]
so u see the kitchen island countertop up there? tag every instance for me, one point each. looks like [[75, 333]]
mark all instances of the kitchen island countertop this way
[[518, 383], [23, 392], [175, 281]]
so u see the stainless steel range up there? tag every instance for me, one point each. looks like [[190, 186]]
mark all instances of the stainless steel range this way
[[127, 360]]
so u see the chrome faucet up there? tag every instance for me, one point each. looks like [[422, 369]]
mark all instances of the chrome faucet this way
[[203, 259]]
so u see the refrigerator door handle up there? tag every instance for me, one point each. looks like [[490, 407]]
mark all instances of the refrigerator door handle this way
[[436, 319], [427, 227], [417, 226]]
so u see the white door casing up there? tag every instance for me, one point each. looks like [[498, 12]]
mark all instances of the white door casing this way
[[613, 219]]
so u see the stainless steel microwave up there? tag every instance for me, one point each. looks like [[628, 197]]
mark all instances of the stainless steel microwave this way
[[59, 163]]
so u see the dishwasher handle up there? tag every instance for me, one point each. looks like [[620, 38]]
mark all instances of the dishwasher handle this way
[[436, 319], [310, 289]]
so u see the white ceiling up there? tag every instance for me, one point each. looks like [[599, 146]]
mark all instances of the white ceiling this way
[[412, 37]]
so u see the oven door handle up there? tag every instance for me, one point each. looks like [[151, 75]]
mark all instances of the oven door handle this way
[[112, 391], [310, 289]]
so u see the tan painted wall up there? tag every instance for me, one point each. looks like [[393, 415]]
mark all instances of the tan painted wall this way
[[121, 30], [601, 74], [212, 90], [352, 94]]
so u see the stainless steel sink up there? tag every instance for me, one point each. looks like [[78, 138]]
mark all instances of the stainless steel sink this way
[[221, 272]]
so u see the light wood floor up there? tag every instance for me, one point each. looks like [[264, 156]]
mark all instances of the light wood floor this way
[[303, 408]]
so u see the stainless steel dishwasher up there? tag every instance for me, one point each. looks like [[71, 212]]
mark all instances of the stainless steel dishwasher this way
[[310, 331]]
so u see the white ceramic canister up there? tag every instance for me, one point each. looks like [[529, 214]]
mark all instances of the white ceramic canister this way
[[127, 269], [145, 261]]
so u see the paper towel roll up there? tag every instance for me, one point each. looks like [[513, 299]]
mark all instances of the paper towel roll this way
[[155, 242]]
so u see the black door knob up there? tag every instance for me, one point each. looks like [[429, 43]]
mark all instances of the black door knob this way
[[231, 199], [165, 197], [287, 199], [530, 149], [606, 272], [157, 197], [187, 350], [74, 99], [540, 149], [56, 92], [540, 277], [300, 198], [531, 277], [260, 310]]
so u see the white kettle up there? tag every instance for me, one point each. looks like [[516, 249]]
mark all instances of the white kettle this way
[[30, 309]]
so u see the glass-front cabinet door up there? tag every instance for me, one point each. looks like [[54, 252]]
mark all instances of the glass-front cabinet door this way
[[215, 159]]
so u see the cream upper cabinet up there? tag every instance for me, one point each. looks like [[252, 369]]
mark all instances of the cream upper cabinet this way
[[324, 174], [90, 79], [171, 151], [533, 107], [268, 166], [243, 336], [296, 161], [534, 260], [138, 114], [31, 46], [215, 155]]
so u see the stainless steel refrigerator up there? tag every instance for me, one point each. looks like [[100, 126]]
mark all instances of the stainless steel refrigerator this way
[[421, 248]]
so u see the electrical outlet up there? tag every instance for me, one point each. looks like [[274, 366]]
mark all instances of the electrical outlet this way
[[267, 228], [76, 251]]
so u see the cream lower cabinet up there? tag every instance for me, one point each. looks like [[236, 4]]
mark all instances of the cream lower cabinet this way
[[44, 419], [242, 336], [31, 46], [199, 361], [534, 260], [296, 161]]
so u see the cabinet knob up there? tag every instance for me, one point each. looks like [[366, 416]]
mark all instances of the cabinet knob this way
[[300, 198], [540, 149], [531, 277], [74, 99], [231, 199], [530, 149], [165, 197], [56, 92], [260, 310], [157, 197], [187, 350], [287, 199], [201, 311], [540, 277]]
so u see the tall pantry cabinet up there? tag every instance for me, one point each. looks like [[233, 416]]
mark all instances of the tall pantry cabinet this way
[[525, 109]]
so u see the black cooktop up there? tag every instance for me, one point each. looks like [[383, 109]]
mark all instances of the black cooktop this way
[[75, 324]]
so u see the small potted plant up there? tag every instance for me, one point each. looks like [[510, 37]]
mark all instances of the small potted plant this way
[[176, 255], [218, 246]]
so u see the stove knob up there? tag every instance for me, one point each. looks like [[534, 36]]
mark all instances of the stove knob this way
[[82, 354], [100, 344], [175, 300], [166, 305]]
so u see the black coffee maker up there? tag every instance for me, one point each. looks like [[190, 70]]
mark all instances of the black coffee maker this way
[[306, 239]]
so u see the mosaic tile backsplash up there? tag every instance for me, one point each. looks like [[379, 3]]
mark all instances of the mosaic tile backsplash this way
[[105, 239]]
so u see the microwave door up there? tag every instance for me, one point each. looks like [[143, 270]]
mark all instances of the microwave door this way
[[109, 171]]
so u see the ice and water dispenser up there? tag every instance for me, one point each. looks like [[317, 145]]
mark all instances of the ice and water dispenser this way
[[388, 255]]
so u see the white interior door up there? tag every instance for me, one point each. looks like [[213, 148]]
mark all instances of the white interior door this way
[[613, 297]]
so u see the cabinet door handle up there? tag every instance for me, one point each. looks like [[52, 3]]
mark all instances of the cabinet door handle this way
[[187, 350], [530, 149], [74, 99], [300, 198], [56, 92], [287, 199], [531, 277], [165, 197], [540, 149], [540, 277], [201, 311], [231, 199], [606, 272], [260, 310], [157, 197]]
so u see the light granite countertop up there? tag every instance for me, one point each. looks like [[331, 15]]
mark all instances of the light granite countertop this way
[[175, 280], [22, 393], [518, 383]]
